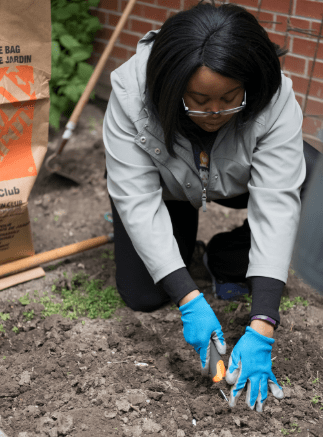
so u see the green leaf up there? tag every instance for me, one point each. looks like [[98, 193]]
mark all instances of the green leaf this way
[[93, 3], [57, 30], [81, 54], [93, 24], [84, 71], [56, 51], [54, 117], [69, 42]]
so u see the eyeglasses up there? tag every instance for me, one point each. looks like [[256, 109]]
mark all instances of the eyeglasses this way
[[206, 114]]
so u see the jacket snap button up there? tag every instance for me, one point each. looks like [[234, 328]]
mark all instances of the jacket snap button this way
[[157, 151], [188, 185], [216, 177], [143, 140]]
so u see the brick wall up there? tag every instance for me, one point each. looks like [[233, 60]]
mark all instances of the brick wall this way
[[295, 24]]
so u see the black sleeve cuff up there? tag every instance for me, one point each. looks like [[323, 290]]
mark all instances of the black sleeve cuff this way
[[178, 284], [266, 295]]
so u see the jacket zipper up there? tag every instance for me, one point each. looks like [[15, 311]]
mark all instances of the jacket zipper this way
[[204, 199]]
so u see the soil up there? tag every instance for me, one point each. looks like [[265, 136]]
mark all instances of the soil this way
[[134, 374]]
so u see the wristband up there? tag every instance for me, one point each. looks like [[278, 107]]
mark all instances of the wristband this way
[[267, 319]]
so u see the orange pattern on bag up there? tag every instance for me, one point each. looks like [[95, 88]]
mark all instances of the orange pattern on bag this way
[[17, 101]]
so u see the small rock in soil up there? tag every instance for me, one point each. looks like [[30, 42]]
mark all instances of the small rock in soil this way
[[123, 405], [150, 426]]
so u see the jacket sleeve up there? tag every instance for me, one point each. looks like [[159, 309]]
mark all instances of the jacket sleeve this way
[[133, 182], [277, 172]]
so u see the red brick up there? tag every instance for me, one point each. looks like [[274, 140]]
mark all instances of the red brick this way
[[300, 85], [156, 14], [113, 19], [314, 107], [245, 3], [98, 47], [307, 47], [277, 38], [311, 125], [317, 27], [150, 12], [102, 16], [300, 100], [318, 70], [188, 4], [173, 4], [140, 26], [119, 52], [265, 16], [306, 8], [104, 33], [128, 39], [283, 26], [294, 64], [111, 5], [316, 89], [151, 2], [276, 6]]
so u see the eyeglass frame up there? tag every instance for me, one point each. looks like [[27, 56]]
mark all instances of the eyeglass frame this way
[[224, 111]]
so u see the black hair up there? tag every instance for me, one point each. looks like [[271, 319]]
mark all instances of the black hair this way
[[228, 40]]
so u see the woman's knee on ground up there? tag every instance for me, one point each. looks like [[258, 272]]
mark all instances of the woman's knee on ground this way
[[146, 302]]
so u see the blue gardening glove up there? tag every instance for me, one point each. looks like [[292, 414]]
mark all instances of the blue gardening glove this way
[[200, 327], [250, 362]]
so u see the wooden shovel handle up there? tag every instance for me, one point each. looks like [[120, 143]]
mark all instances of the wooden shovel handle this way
[[102, 61], [61, 252]]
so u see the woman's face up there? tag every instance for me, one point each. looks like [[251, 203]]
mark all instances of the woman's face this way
[[210, 91]]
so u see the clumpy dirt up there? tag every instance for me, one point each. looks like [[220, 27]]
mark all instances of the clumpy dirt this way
[[134, 374]]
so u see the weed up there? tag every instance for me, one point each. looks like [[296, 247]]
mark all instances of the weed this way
[[15, 329], [111, 255], [2, 329], [288, 382], [86, 298], [248, 299], [4, 316], [29, 315], [286, 303], [56, 218], [24, 300], [231, 307], [286, 359], [315, 399], [316, 380], [4, 357], [284, 431], [173, 307], [35, 219], [83, 322]]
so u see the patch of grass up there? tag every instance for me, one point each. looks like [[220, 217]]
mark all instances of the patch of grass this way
[[4, 357], [86, 298], [315, 399], [29, 315], [15, 329], [173, 307], [4, 316], [316, 380], [287, 303], [2, 329], [231, 307]]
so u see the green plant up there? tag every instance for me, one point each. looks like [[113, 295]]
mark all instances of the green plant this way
[[4, 357], [73, 30], [287, 303], [284, 431], [316, 380], [4, 316], [29, 315], [231, 307], [288, 382], [315, 399], [86, 298], [15, 329], [2, 329], [173, 307], [25, 300]]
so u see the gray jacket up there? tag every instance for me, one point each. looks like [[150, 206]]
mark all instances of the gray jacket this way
[[267, 161]]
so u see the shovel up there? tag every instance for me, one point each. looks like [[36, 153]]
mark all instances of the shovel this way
[[70, 126]]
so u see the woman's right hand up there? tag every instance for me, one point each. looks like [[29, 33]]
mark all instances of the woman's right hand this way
[[200, 327]]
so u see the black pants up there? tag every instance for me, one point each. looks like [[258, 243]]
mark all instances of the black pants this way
[[135, 284]]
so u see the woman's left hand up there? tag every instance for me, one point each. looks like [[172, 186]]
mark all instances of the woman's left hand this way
[[250, 363]]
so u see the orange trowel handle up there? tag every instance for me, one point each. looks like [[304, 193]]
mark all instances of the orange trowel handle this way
[[217, 367]]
